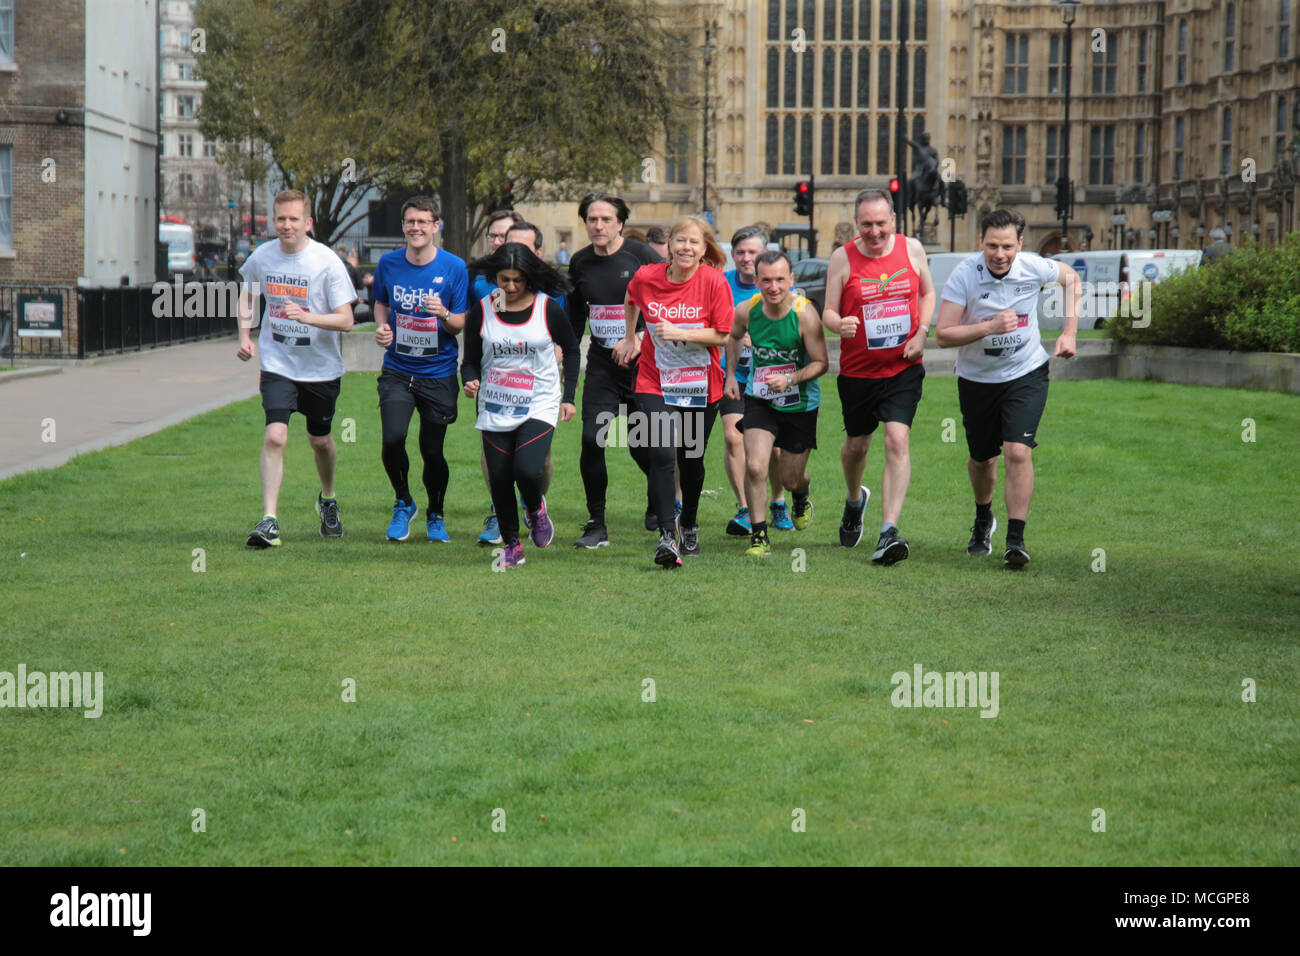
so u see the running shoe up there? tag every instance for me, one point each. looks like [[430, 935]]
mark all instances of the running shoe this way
[[690, 542], [851, 521], [1016, 556], [781, 516], [265, 535], [981, 538], [330, 526], [677, 510], [666, 554], [803, 516], [523, 509], [651, 520], [436, 529], [890, 549], [491, 533], [740, 525], [759, 545], [399, 529], [513, 556], [594, 536], [539, 524]]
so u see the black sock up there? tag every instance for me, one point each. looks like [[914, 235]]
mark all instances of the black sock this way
[[1016, 530], [800, 499], [759, 528], [406, 500], [984, 513], [598, 516]]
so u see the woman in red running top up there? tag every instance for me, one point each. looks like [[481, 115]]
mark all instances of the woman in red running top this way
[[688, 311]]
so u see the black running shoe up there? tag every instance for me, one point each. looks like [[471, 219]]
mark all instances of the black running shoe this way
[[890, 549], [594, 536], [851, 521], [667, 555], [1016, 556], [330, 526], [981, 538], [691, 542], [265, 535]]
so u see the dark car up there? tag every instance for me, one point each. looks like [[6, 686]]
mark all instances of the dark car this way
[[810, 279]]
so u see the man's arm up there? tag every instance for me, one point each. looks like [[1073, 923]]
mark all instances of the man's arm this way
[[814, 342], [837, 273], [915, 346], [949, 332], [739, 329], [1065, 343], [383, 331], [339, 320], [247, 347]]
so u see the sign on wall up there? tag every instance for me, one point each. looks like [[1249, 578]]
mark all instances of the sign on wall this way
[[40, 316]]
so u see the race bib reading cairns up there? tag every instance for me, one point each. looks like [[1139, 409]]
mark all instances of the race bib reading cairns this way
[[608, 324], [683, 370], [508, 391], [1003, 344], [886, 322], [417, 335], [762, 389]]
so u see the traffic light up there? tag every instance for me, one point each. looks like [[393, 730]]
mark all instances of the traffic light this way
[[1062, 198], [506, 200], [894, 189], [956, 198], [803, 199]]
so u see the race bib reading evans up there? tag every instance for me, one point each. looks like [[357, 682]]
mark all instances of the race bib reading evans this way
[[417, 335], [283, 330], [683, 369], [508, 391], [762, 389], [886, 322], [608, 324], [1001, 345]]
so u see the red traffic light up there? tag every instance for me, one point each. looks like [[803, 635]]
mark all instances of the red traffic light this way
[[803, 188], [893, 186]]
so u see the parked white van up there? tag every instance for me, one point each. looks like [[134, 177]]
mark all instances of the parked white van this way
[[180, 247], [1109, 277]]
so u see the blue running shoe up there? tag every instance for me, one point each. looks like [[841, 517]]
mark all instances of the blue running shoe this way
[[491, 533], [437, 529], [739, 525], [399, 529], [781, 517]]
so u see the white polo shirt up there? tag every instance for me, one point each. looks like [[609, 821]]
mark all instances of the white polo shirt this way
[[1002, 356]]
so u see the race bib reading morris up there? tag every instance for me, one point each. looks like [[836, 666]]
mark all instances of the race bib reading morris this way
[[417, 335], [508, 391], [608, 324], [886, 322], [1003, 344]]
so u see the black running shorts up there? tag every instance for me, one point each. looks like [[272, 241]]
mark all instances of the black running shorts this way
[[998, 412], [434, 397], [796, 432], [866, 402], [315, 401]]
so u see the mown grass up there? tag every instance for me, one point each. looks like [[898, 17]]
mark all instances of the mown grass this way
[[475, 690]]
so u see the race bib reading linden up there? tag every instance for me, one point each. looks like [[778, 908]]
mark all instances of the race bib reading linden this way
[[417, 335]]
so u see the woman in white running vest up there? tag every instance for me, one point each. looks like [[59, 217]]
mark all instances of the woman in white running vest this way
[[509, 367]]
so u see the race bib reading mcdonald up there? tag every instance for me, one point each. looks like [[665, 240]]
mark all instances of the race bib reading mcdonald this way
[[284, 330]]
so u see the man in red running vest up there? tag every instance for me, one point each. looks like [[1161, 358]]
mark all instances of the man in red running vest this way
[[879, 299]]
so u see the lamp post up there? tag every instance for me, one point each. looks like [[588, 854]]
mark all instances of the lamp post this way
[[1063, 197], [708, 50], [1117, 222]]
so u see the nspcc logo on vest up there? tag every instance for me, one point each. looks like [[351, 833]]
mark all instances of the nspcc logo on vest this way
[[82, 690]]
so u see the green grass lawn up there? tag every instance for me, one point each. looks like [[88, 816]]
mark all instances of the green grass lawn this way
[[475, 690]]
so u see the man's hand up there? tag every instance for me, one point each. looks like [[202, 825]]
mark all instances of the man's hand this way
[[915, 346], [296, 313], [626, 351], [1004, 321], [731, 388], [567, 411], [383, 335], [433, 305], [1064, 346], [247, 349], [848, 326], [471, 389]]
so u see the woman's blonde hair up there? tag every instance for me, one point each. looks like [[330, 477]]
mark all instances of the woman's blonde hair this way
[[713, 253]]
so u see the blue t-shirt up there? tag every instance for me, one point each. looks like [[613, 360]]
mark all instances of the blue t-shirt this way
[[483, 288], [740, 292], [421, 347]]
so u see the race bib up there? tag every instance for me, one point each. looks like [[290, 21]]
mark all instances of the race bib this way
[[284, 330], [762, 389], [1003, 344], [508, 391], [683, 369], [416, 335], [886, 322], [608, 324], [746, 359]]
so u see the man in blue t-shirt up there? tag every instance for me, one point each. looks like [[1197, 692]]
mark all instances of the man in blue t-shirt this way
[[421, 296]]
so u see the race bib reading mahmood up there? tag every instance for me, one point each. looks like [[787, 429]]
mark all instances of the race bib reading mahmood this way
[[608, 324], [417, 335], [683, 370], [1002, 344], [762, 388], [886, 322], [508, 391]]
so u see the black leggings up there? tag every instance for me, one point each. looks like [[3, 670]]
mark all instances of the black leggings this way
[[396, 419], [595, 477], [516, 458], [687, 438]]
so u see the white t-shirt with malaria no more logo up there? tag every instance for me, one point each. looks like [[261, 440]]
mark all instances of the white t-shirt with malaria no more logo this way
[[316, 280], [1002, 356]]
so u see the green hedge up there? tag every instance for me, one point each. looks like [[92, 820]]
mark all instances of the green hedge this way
[[1248, 301]]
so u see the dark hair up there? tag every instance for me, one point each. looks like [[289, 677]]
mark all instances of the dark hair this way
[[1000, 219], [523, 225], [424, 204], [748, 232], [538, 276], [771, 257], [503, 214], [872, 195], [657, 234], [621, 209]]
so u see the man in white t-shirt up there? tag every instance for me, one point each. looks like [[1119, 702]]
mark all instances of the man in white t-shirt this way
[[989, 307], [306, 301]]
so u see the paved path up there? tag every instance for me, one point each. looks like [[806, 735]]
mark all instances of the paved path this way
[[114, 400]]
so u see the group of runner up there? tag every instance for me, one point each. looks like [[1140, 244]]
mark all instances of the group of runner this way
[[674, 341]]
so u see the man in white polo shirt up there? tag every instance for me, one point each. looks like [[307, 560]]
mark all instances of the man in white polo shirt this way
[[306, 300], [989, 307]]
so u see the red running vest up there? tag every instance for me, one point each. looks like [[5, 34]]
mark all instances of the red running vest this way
[[882, 293]]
